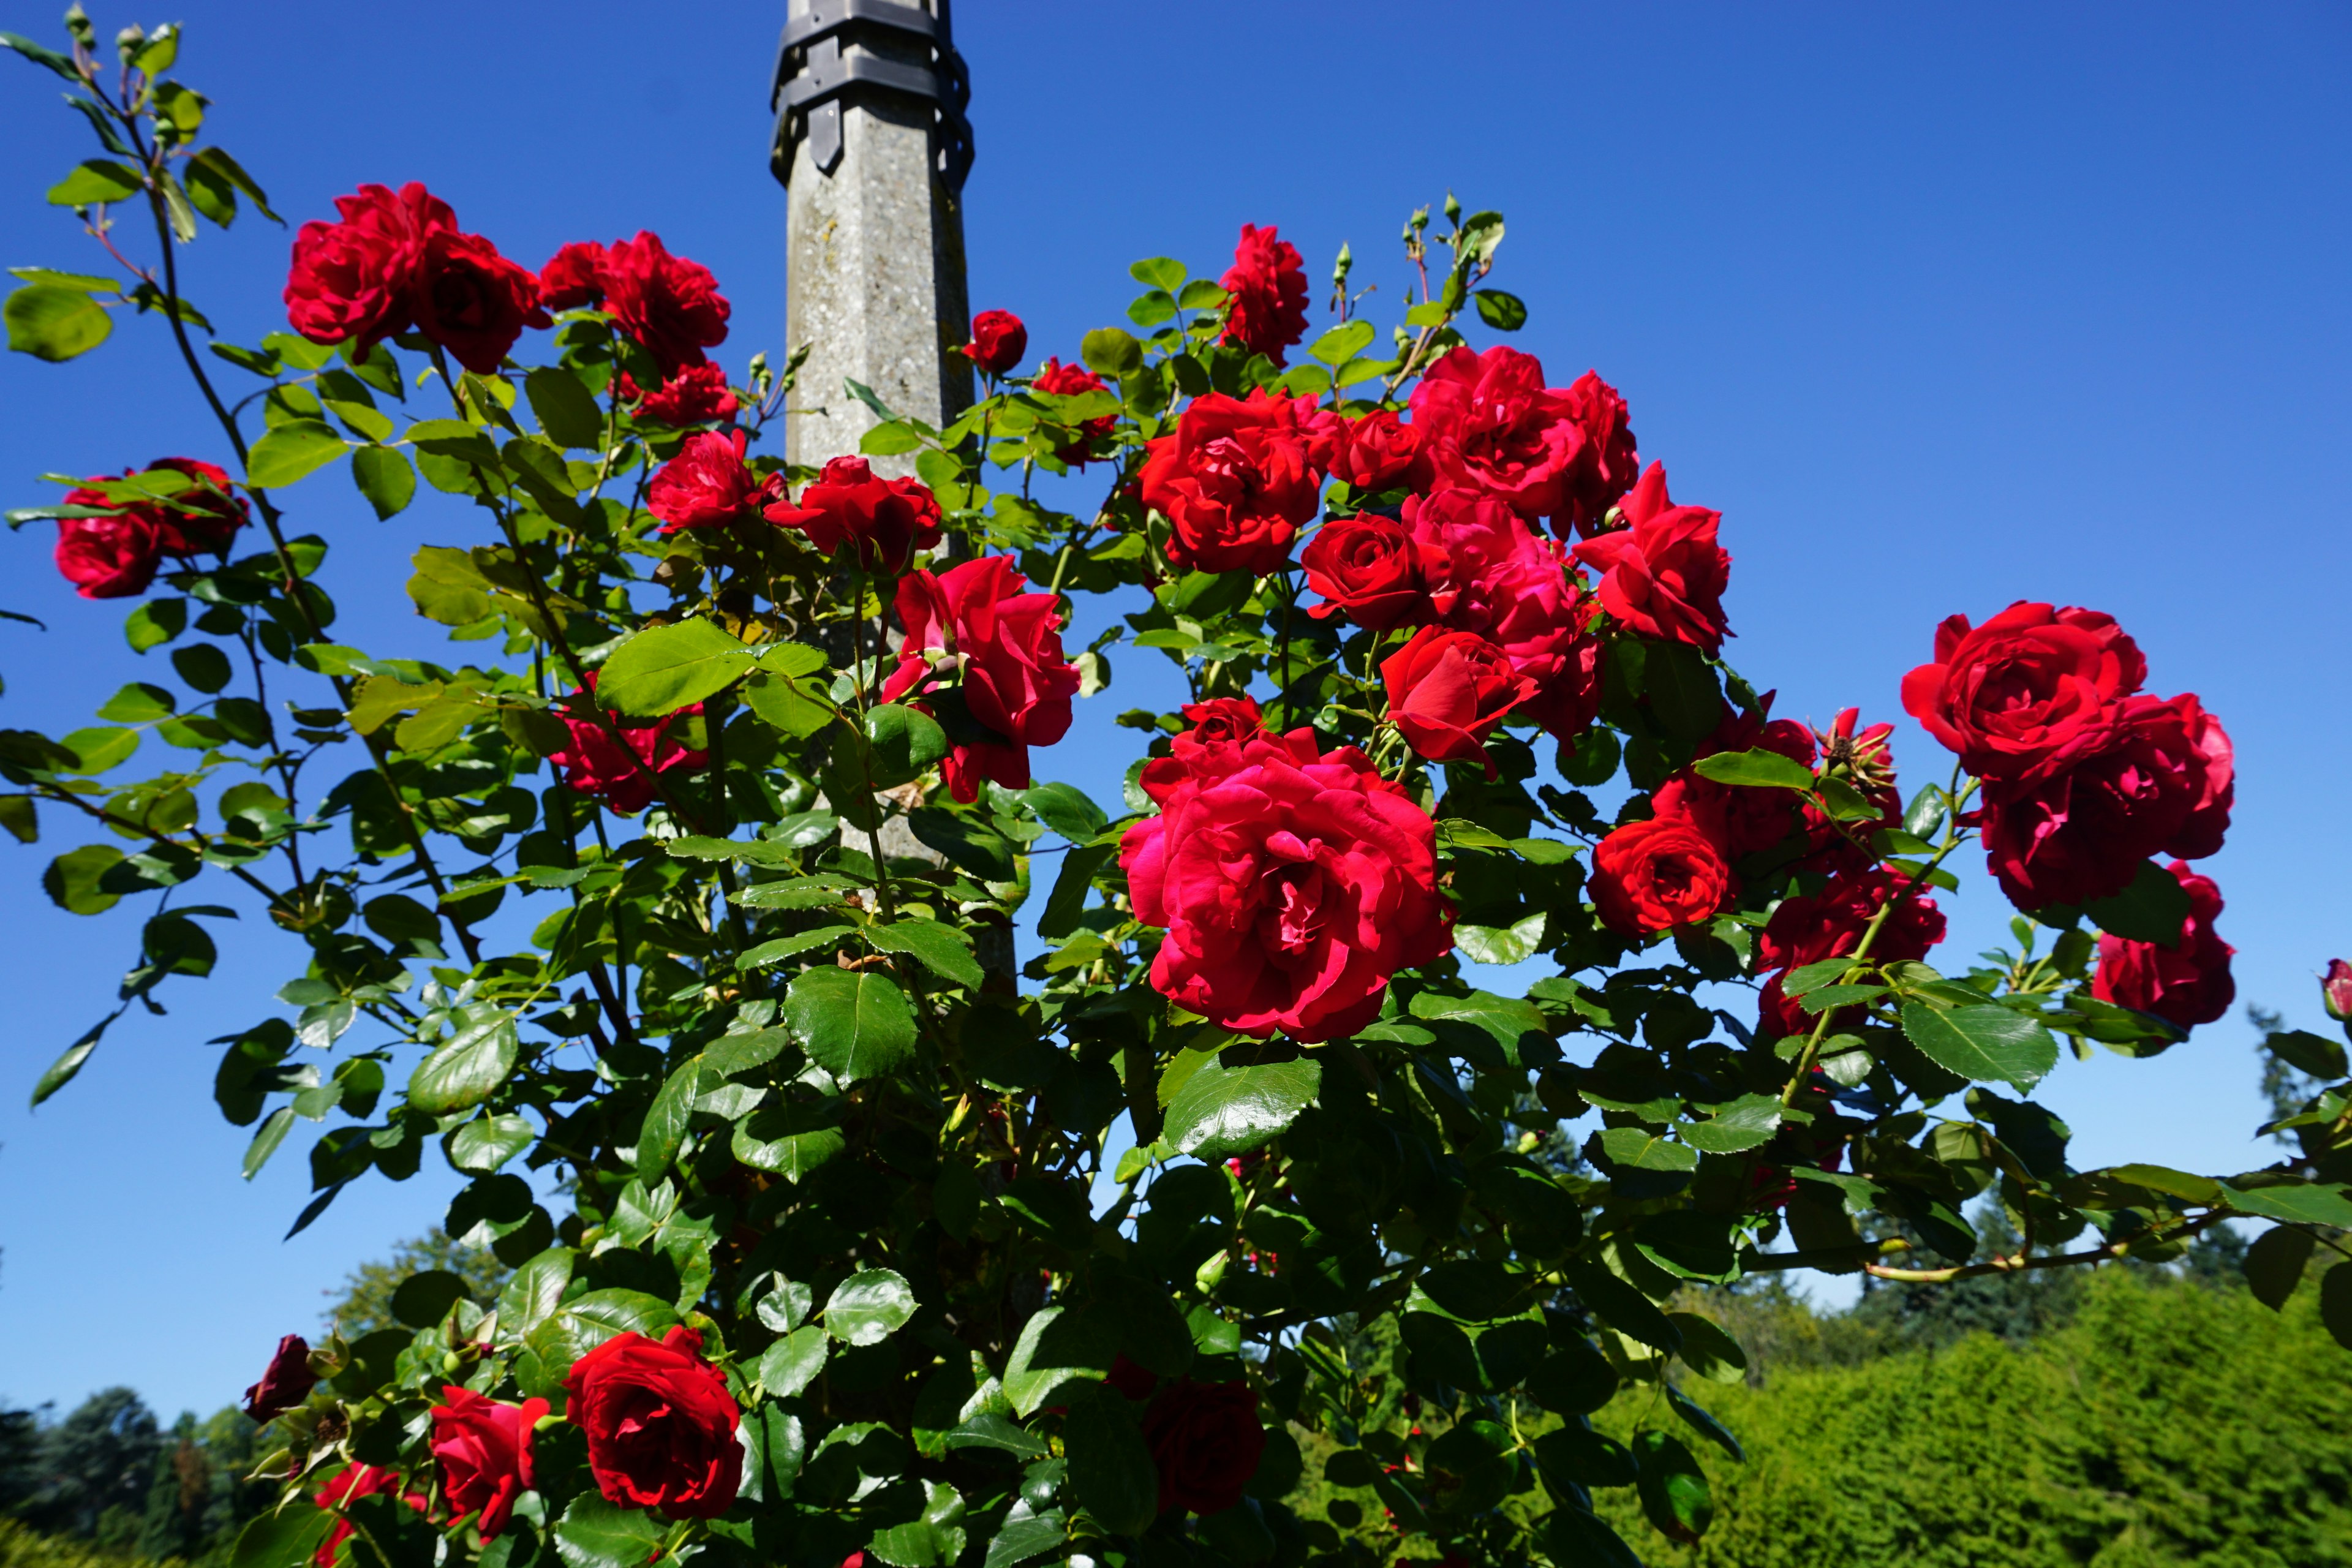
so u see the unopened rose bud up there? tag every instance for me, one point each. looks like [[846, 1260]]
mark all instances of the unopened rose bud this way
[[2336, 989]]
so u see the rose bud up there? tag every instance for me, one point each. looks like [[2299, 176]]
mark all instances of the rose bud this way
[[998, 341]]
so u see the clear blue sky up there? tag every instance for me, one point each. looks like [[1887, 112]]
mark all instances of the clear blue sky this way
[[1941, 307]]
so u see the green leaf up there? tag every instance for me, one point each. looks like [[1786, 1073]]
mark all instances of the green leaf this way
[[1223, 1111], [792, 946], [1758, 769], [61, 1071], [265, 1138], [1343, 342], [1067, 810], [663, 668], [2153, 908], [853, 1025], [2163, 1178], [2274, 1264], [1681, 689], [54, 324], [2298, 1203], [1645, 1150], [1513, 943], [71, 882], [536, 1289], [2306, 1052], [1672, 1488], [567, 410], [96, 180], [867, 1307], [486, 1142], [1067, 902], [288, 452], [1056, 1347], [1026, 1533], [1697, 1417], [33, 52], [983, 853], [943, 948], [155, 623], [790, 704], [1157, 272], [2336, 1304], [384, 478], [1744, 1124], [1707, 1349], [465, 1069], [593, 1534], [789, 1141], [792, 1363], [666, 1120], [901, 744], [1573, 1535], [423, 1299], [1983, 1043], [1111, 351], [1112, 1475], [1503, 312], [285, 1538]]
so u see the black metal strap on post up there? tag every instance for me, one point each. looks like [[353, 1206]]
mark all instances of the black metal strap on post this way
[[814, 73]]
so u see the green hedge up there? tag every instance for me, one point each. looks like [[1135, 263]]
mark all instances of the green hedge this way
[[21, 1546]]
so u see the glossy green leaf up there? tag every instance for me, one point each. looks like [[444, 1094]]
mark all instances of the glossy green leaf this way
[[1745, 1123], [486, 1142], [467, 1069], [532, 1293], [664, 668], [289, 452], [942, 949], [1985, 1044], [666, 1120], [1756, 769], [593, 1534], [1224, 1112], [566, 409], [53, 323], [1112, 1475], [1646, 1150], [869, 1307], [2297, 1203], [853, 1025], [1674, 1495], [792, 1363], [1503, 312], [96, 180], [384, 478]]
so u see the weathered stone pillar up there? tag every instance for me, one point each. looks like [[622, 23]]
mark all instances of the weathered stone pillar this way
[[872, 143]]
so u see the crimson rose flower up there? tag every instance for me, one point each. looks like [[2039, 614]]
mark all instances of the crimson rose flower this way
[[203, 516], [1210, 748], [1373, 568], [484, 1447], [708, 483], [1663, 576], [573, 276], [660, 1423], [887, 520], [354, 278], [1068, 380], [998, 341], [2188, 984], [107, 557], [1810, 927], [596, 764], [1655, 875], [1746, 821], [1605, 465], [1291, 886], [1206, 1442], [1379, 452], [2336, 989], [666, 302], [1447, 691], [2028, 691], [1267, 284], [1516, 590], [698, 394], [285, 1383], [471, 301], [973, 621], [346, 1486], [1237, 479], [1489, 424], [2163, 783]]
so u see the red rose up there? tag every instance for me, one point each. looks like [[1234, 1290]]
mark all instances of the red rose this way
[[1371, 568], [707, 484], [1068, 380], [2162, 784], [1210, 748], [2188, 984], [1237, 479], [660, 1423], [1291, 886], [998, 341], [667, 303], [1663, 576], [596, 764], [285, 1383], [1268, 284], [355, 279], [471, 301], [975, 622], [1447, 691], [1206, 1441], [698, 394], [1489, 424], [345, 1488], [107, 557], [1379, 452], [1652, 876], [886, 520], [1472, 535], [1808, 928], [1516, 590], [573, 276], [2027, 693], [484, 1447], [1605, 465], [1746, 821]]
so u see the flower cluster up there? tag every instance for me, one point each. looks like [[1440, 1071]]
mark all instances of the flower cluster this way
[[397, 260], [117, 554], [669, 305]]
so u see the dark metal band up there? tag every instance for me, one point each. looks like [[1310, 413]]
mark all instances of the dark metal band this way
[[813, 74]]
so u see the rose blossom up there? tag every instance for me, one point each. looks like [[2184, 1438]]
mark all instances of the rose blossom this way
[[1291, 886], [886, 520], [1606, 465], [1448, 690], [2027, 693], [1069, 381], [698, 394], [1516, 589], [666, 302], [1268, 284], [573, 276], [620, 775], [1809, 928], [484, 1448], [471, 301], [1209, 748], [107, 557], [1379, 452], [1655, 874], [1206, 1441], [1747, 820], [660, 1425], [353, 278], [1015, 683], [285, 1382], [2162, 783], [998, 341], [1489, 424], [1663, 576], [1237, 478], [707, 484], [1373, 569], [2188, 985]]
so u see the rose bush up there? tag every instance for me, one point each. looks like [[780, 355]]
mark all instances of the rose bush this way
[[669, 901]]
